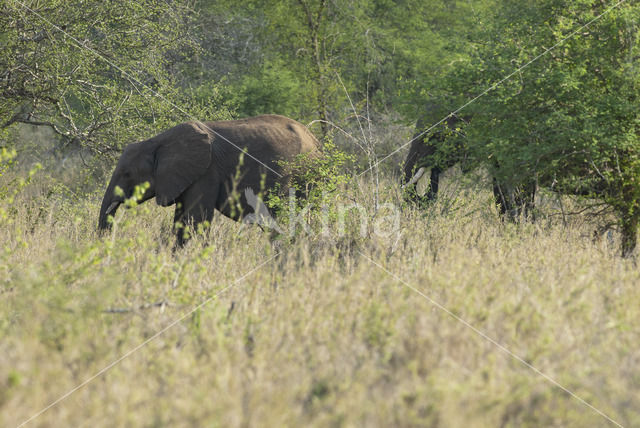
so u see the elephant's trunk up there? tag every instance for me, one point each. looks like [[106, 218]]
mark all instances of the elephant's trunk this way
[[110, 204], [409, 165]]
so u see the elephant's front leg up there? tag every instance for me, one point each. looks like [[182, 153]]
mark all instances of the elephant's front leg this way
[[193, 207], [187, 218], [434, 183], [178, 224]]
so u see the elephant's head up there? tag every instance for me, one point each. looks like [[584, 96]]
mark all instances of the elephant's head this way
[[169, 162]]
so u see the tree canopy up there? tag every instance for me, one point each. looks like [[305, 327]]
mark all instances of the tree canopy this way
[[97, 73], [569, 120]]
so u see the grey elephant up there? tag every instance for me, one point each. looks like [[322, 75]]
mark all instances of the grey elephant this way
[[426, 156], [423, 157], [196, 166]]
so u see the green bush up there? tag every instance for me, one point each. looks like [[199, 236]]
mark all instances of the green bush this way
[[312, 192]]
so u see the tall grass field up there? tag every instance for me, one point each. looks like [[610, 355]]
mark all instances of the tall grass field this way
[[452, 319]]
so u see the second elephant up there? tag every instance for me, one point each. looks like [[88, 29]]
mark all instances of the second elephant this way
[[427, 157]]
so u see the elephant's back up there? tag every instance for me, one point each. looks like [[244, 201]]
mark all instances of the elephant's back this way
[[267, 134]]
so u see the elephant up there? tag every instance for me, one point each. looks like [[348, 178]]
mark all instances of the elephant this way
[[514, 196], [424, 156], [200, 167]]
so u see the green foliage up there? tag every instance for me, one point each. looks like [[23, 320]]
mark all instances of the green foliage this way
[[98, 74], [314, 175], [136, 196], [274, 89], [7, 190], [7, 157], [294, 56], [313, 188], [570, 118], [421, 44], [11, 187]]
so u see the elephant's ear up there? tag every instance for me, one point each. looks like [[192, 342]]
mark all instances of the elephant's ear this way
[[182, 156]]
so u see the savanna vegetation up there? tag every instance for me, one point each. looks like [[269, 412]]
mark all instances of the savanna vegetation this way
[[363, 309]]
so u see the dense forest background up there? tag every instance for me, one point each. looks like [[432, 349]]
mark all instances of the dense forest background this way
[[102, 75], [557, 80]]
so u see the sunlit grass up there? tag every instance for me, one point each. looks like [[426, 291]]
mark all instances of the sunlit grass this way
[[318, 335]]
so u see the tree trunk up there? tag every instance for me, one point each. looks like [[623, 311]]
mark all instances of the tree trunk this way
[[629, 233], [320, 82], [314, 21]]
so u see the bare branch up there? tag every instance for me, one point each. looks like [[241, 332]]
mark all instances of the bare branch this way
[[51, 125]]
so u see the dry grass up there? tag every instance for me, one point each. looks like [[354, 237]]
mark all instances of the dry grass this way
[[318, 335]]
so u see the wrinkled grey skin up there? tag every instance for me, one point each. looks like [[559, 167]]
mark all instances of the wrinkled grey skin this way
[[194, 168], [513, 203]]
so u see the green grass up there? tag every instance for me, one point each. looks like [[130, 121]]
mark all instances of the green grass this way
[[318, 335]]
